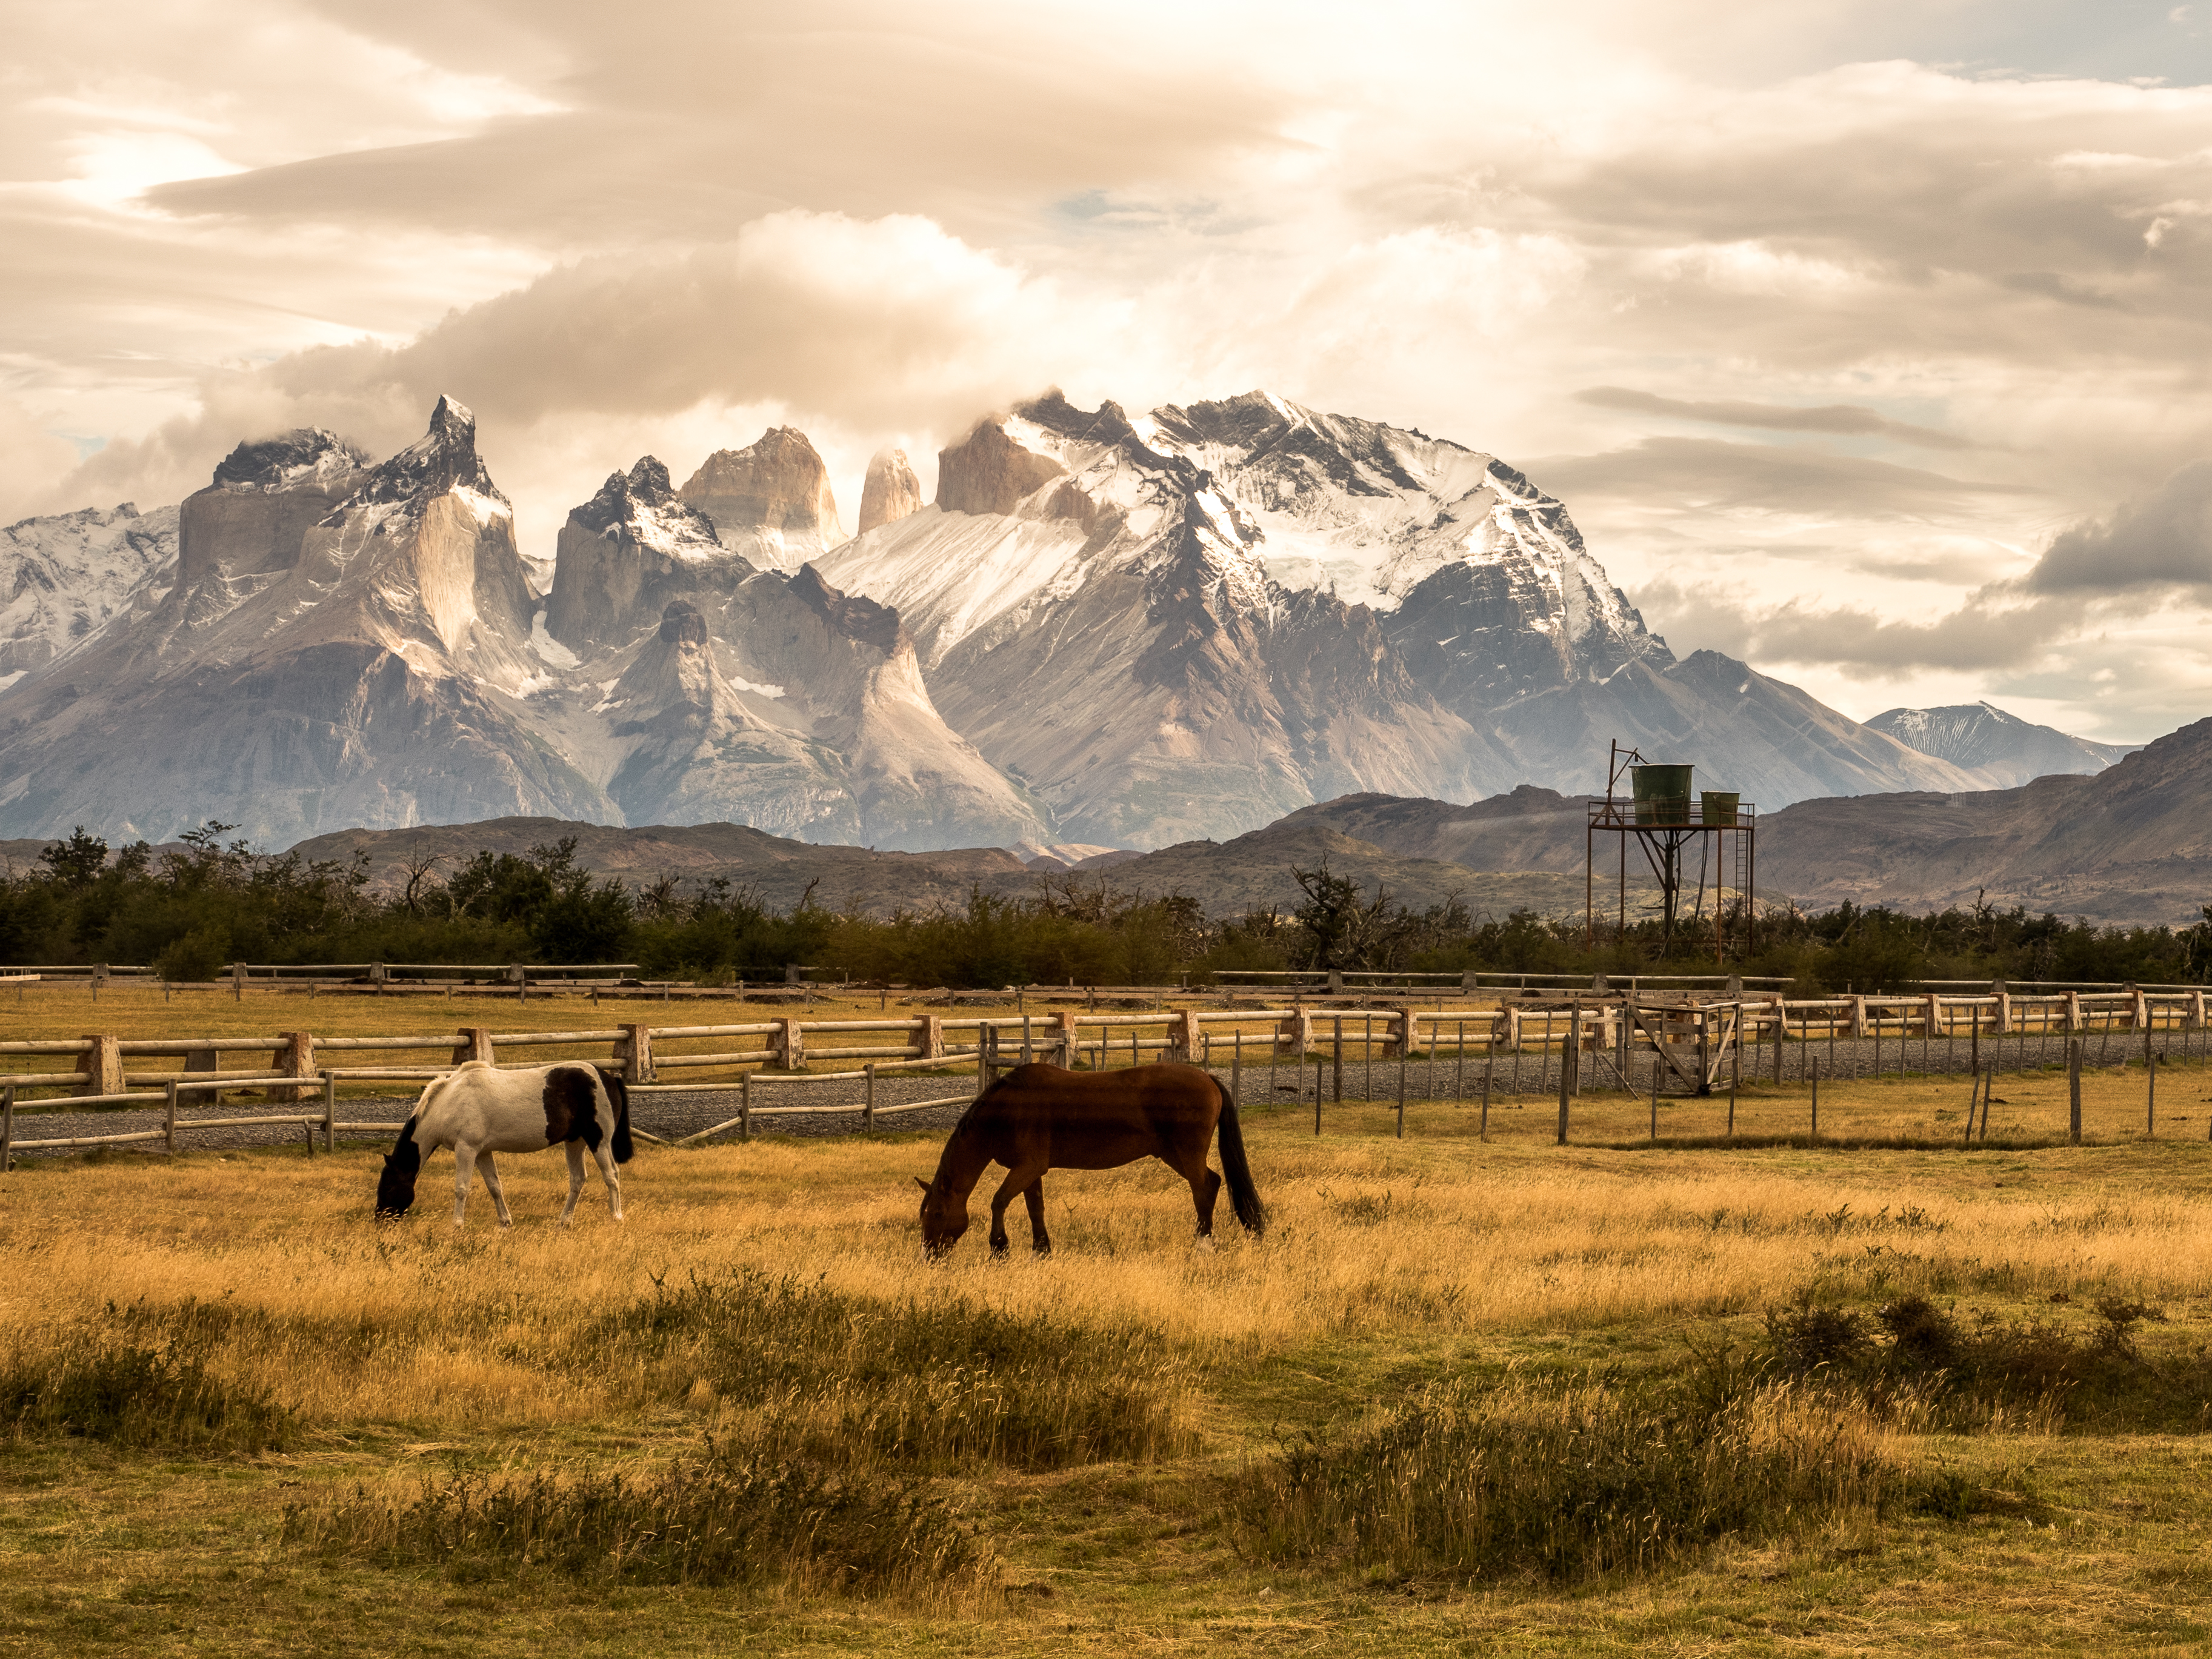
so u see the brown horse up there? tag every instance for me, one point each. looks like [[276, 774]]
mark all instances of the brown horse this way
[[1040, 1117]]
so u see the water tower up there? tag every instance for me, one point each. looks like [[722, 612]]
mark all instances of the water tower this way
[[1669, 823]]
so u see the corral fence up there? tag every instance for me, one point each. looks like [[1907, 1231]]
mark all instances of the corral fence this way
[[1683, 1043]]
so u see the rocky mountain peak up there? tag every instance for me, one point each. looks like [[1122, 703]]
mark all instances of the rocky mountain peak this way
[[891, 492], [289, 458], [770, 499], [642, 506], [681, 625], [988, 471], [853, 614], [443, 459]]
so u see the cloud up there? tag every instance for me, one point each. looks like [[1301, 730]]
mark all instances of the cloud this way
[[1849, 420], [2162, 539], [1709, 475], [1990, 632]]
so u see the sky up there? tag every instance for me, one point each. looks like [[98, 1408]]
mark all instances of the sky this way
[[1866, 342]]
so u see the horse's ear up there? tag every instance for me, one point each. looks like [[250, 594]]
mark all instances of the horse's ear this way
[[919, 1183]]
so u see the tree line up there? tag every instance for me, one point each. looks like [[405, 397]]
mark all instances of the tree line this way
[[190, 910]]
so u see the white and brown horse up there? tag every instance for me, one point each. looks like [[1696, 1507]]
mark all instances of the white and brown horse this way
[[478, 1109]]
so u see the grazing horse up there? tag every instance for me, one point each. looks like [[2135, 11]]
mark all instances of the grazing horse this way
[[1040, 1117], [478, 1109]]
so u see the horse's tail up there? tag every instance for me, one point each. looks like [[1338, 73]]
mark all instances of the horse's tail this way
[[619, 1093], [1242, 1194]]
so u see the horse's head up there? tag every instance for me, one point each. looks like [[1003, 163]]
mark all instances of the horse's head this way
[[944, 1217], [395, 1187], [395, 1191]]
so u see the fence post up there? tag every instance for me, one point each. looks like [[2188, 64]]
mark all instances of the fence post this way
[[1294, 1031], [2150, 1085], [330, 1113], [1336, 1041], [238, 982], [636, 1052], [789, 1043], [930, 1039], [744, 1106], [1567, 1057], [2003, 992], [2073, 1010], [7, 1129], [475, 1044], [295, 1058], [2074, 1091], [2195, 1015], [169, 1119], [1065, 1019], [868, 1097], [1183, 1037], [103, 1065]]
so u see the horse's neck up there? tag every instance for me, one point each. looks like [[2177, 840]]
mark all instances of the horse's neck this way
[[962, 1163]]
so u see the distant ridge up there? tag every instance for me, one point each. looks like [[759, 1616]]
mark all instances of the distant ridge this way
[[1998, 750]]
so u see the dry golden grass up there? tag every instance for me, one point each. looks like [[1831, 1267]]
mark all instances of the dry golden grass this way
[[1437, 1233], [1392, 1264]]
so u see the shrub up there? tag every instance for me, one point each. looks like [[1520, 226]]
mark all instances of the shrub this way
[[1971, 1375], [929, 1384], [138, 1396], [201, 954], [717, 1518], [1467, 1483]]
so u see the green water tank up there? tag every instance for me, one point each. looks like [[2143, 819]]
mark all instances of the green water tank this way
[[1662, 793], [1718, 805]]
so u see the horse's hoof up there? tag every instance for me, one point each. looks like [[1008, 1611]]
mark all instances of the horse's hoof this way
[[1204, 1246]]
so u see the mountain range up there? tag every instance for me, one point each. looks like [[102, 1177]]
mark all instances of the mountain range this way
[[1104, 631]]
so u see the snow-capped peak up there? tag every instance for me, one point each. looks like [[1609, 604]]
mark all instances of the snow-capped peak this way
[[289, 458], [643, 508], [443, 459]]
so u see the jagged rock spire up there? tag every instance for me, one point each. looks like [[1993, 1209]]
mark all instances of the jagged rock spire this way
[[443, 457], [891, 492]]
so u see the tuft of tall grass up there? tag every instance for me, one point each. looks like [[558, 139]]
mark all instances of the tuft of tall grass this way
[[1466, 1483], [135, 1395], [718, 1518], [834, 1376], [1992, 1372]]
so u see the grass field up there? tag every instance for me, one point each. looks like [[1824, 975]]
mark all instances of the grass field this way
[[243, 1419]]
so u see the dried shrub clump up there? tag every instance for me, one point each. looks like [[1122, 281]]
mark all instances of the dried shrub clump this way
[[927, 1384], [1911, 1353], [135, 1395], [716, 1519], [1468, 1483]]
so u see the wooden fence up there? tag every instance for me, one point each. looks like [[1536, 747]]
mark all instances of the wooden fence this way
[[102, 1069]]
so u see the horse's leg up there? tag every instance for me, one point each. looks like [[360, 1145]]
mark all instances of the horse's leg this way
[[1033, 1195], [498, 1197], [603, 1153], [575, 1150], [464, 1170], [1017, 1180]]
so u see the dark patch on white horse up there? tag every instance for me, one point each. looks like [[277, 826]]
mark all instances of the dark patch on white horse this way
[[572, 1107], [395, 1187], [619, 1094]]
